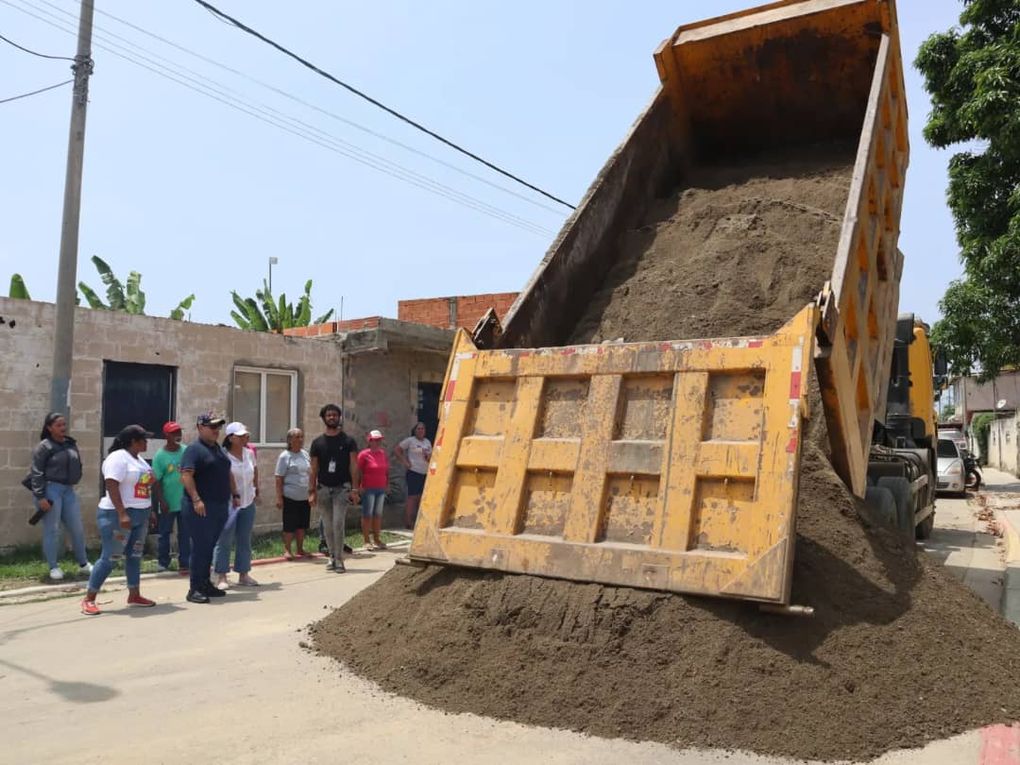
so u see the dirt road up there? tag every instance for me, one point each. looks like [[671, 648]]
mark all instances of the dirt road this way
[[229, 683]]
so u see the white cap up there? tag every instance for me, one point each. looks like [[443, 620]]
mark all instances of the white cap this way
[[236, 429], [374, 435]]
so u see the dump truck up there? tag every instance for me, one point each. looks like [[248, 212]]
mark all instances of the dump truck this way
[[902, 463], [674, 464]]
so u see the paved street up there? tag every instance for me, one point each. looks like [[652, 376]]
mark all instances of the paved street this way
[[230, 683]]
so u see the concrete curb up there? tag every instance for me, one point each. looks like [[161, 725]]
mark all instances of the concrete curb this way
[[1009, 521], [68, 588]]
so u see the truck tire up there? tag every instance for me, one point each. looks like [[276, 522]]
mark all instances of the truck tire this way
[[904, 497], [881, 506], [925, 527]]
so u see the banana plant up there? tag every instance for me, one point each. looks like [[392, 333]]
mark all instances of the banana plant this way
[[18, 289], [127, 297], [264, 313]]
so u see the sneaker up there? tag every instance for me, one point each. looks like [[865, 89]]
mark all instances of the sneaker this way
[[340, 568], [222, 583], [213, 592], [196, 596], [161, 568], [323, 547], [89, 608], [330, 565], [139, 600], [85, 568], [56, 574]]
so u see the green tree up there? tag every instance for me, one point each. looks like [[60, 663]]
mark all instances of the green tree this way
[[264, 313], [18, 289], [124, 296], [973, 76]]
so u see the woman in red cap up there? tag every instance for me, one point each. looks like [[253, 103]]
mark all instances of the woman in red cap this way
[[374, 469], [168, 493]]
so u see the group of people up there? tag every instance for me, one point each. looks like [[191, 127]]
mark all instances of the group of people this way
[[208, 491]]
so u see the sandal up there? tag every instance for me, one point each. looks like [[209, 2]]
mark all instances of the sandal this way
[[247, 581]]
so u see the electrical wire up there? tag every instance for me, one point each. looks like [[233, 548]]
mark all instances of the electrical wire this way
[[35, 92], [323, 73], [302, 130], [35, 53], [309, 105]]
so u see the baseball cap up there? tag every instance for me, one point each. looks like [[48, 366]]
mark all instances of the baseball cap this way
[[211, 418], [171, 427], [375, 435], [236, 429]]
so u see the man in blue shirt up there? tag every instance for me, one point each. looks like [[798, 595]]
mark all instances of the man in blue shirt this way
[[208, 491]]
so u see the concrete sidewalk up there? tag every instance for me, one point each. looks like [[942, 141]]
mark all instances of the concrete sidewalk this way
[[1001, 495], [230, 683]]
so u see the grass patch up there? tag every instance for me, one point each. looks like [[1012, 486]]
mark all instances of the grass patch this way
[[23, 566]]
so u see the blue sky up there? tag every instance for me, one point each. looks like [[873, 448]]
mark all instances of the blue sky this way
[[197, 196]]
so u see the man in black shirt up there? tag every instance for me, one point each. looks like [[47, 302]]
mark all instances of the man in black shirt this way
[[208, 491], [334, 467]]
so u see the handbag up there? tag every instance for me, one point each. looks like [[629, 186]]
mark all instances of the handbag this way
[[27, 481]]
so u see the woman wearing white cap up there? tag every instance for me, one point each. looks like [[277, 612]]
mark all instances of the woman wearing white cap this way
[[240, 523]]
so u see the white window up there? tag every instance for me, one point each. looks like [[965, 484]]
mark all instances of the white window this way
[[265, 400]]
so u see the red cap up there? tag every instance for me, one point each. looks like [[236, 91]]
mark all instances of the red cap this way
[[170, 427]]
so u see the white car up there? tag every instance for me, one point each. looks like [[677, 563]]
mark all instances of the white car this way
[[952, 474]]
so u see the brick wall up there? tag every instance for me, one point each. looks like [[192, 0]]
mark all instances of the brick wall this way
[[332, 327], [466, 309]]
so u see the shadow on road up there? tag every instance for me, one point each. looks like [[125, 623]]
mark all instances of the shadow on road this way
[[75, 692]]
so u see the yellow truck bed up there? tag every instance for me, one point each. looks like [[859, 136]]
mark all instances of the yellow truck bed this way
[[674, 465]]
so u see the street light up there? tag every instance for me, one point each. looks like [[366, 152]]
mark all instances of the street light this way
[[272, 262]]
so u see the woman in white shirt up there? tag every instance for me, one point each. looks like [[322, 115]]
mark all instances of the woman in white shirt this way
[[414, 453], [242, 516], [123, 516]]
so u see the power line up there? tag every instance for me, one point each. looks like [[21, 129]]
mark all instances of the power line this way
[[379, 104], [35, 53], [264, 114], [36, 92], [309, 105]]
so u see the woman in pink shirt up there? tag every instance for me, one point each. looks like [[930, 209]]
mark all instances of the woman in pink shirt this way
[[374, 470]]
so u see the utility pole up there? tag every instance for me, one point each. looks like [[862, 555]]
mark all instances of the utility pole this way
[[63, 337], [273, 260]]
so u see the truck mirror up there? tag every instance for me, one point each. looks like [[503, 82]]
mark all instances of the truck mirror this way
[[941, 367]]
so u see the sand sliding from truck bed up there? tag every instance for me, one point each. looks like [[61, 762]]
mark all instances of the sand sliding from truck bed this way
[[898, 652]]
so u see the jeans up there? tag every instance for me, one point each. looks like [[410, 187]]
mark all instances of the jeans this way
[[204, 531], [372, 503], [67, 509], [166, 528], [120, 544], [332, 503], [241, 531]]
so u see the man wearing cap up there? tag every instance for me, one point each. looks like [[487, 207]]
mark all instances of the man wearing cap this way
[[208, 491], [168, 491], [334, 466]]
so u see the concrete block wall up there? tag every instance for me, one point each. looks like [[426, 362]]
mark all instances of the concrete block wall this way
[[204, 356], [381, 392], [332, 327], [466, 310], [1004, 444]]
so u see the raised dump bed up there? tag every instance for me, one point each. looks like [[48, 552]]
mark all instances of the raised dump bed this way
[[674, 464]]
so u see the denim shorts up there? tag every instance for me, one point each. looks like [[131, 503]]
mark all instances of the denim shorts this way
[[372, 502]]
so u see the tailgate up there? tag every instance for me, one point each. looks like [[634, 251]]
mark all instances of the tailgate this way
[[668, 465]]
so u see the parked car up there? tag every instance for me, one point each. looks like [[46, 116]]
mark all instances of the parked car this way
[[952, 474], [956, 436]]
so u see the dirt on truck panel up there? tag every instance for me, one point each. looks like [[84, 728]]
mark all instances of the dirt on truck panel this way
[[898, 652]]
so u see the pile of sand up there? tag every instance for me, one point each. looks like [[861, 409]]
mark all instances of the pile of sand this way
[[897, 654]]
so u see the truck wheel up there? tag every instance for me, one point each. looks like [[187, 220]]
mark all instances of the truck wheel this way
[[881, 506], [925, 527], [900, 490]]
